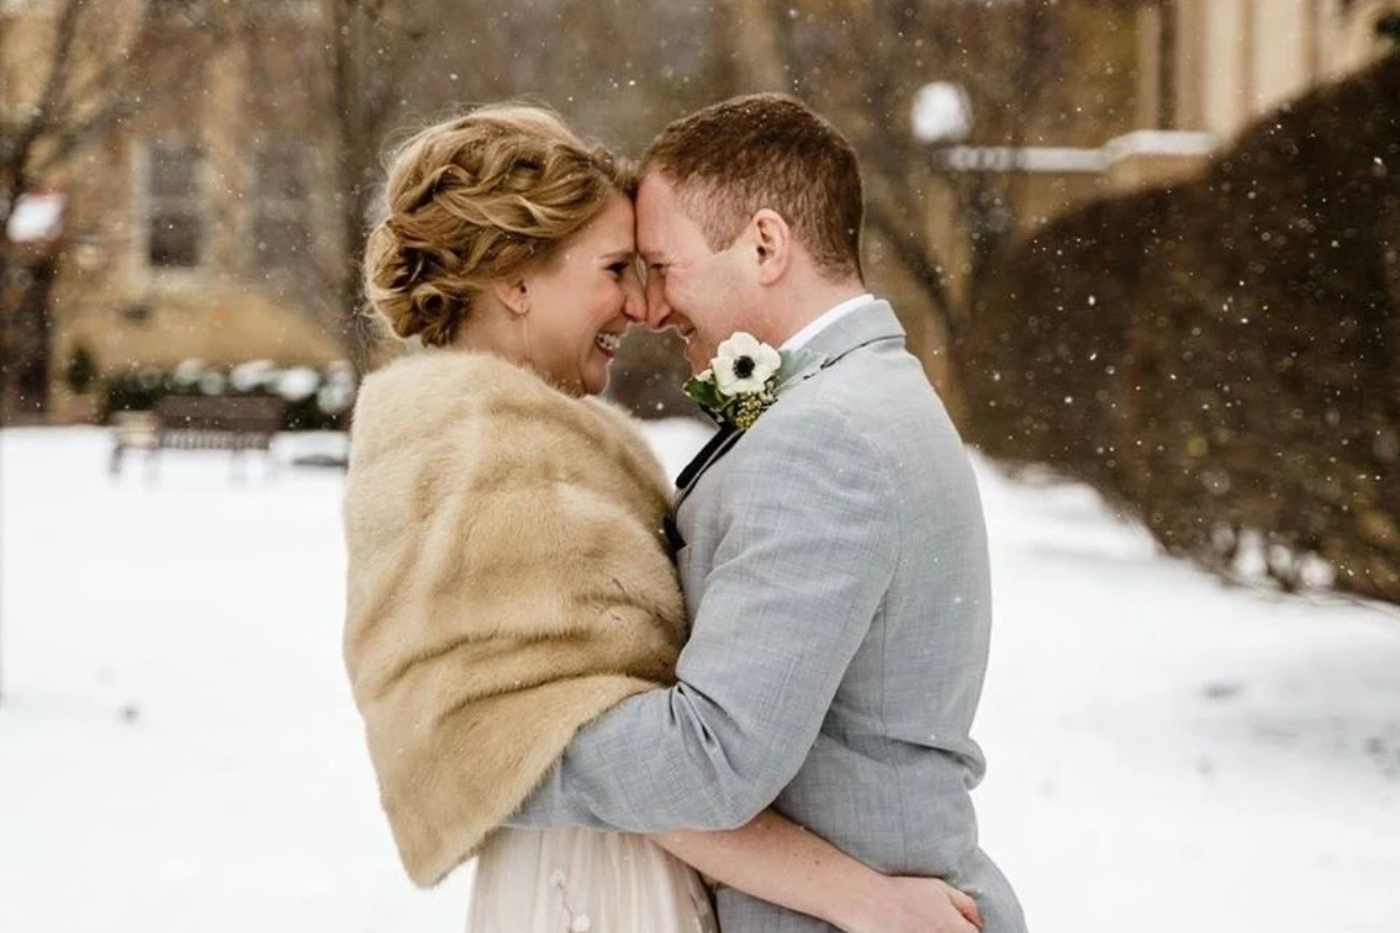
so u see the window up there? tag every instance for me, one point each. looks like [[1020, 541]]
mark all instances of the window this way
[[282, 215], [175, 231]]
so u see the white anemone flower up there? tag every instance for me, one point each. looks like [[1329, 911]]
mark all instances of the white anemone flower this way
[[744, 365]]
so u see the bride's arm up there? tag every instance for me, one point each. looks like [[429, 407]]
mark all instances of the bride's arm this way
[[775, 860]]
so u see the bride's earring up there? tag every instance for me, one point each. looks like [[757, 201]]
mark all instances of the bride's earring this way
[[522, 314], [514, 297], [524, 318]]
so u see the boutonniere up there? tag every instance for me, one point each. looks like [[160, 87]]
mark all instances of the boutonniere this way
[[745, 379]]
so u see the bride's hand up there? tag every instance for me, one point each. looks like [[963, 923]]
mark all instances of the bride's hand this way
[[917, 905]]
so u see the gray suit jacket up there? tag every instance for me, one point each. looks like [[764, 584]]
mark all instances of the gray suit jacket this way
[[835, 571]]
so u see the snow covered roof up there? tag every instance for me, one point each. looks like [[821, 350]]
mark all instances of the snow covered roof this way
[[1065, 159], [1160, 142]]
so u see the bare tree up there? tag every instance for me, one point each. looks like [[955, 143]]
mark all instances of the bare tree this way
[[338, 78], [66, 79], [375, 70], [40, 128], [101, 61], [68, 76], [68, 109], [862, 61]]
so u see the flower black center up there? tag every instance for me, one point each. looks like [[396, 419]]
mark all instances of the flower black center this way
[[744, 367]]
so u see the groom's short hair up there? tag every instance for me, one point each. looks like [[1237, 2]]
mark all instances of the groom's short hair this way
[[734, 158]]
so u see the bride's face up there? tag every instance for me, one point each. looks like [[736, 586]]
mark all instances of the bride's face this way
[[582, 303]]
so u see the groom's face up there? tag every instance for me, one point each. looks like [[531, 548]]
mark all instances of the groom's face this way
[[690, 287]]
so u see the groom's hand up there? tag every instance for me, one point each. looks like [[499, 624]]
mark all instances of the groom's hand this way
[[964, 903], [921, 905]]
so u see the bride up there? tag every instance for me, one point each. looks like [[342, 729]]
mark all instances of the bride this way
[[508, 580]]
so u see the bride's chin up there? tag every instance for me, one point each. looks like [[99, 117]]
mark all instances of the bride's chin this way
[[595, 380]]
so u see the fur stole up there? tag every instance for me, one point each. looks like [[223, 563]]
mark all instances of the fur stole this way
[[508, 581]]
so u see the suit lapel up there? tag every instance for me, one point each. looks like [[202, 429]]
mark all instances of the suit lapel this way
[[721, 440], [725, 438]]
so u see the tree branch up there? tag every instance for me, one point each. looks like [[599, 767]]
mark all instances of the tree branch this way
[[43, 115]]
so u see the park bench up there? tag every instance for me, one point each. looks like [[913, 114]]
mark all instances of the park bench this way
[[198, 422]]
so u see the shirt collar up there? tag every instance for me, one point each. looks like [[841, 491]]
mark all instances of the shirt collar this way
[[805, 335]]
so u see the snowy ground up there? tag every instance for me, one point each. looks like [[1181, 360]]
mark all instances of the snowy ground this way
[[178, 751]]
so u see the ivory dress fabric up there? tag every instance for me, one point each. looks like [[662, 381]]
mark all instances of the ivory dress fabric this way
[[573, 880]]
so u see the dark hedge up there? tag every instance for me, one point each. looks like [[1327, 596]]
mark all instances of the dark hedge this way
[[1223, 357]]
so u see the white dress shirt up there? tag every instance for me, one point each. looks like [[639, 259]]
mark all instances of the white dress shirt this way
[[805, 335]]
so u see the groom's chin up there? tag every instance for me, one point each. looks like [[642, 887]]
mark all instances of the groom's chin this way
[[695, 357]]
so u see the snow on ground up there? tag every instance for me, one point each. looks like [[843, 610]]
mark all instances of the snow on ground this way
[[178, 749]]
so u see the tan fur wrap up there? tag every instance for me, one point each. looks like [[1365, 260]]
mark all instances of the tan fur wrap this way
[[508, 582]]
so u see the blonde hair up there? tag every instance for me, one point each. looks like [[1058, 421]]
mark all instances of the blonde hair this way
[[479, 199]]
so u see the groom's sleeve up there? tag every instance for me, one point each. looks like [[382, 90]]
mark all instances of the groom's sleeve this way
[[806, 556]]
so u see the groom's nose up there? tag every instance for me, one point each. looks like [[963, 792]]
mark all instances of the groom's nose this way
[[634, 302], [657, 309]]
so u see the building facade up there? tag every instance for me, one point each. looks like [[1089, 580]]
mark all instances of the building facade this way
[[195, 221], [1218, 65]]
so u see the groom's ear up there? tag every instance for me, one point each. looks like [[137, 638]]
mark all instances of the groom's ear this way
[[772, 244], [513, 294]]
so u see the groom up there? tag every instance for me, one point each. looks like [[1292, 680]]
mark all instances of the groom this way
[[833, 556]]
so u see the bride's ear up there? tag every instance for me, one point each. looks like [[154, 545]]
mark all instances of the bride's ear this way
[[514, 295]]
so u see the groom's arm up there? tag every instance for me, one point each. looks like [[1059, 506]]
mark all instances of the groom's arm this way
[[799, 573]]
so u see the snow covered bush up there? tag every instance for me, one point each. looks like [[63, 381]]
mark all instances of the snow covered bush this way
[[316, 399]]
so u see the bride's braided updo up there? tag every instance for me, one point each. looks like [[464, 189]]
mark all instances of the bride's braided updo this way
[[479, 199]]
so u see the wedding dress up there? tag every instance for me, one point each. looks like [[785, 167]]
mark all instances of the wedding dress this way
[[573, 880]]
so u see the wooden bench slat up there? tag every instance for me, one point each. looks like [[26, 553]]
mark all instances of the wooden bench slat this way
[[200, 422]]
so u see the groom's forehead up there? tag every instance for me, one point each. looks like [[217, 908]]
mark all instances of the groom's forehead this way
[[662, 218], [655, 220], [650, 241], [655, 198]]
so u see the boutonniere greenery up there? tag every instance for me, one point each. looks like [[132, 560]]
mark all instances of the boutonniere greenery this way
[[745, 379]]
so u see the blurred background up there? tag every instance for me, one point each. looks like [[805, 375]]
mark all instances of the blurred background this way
[[1150, 244], [1149, 253]]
